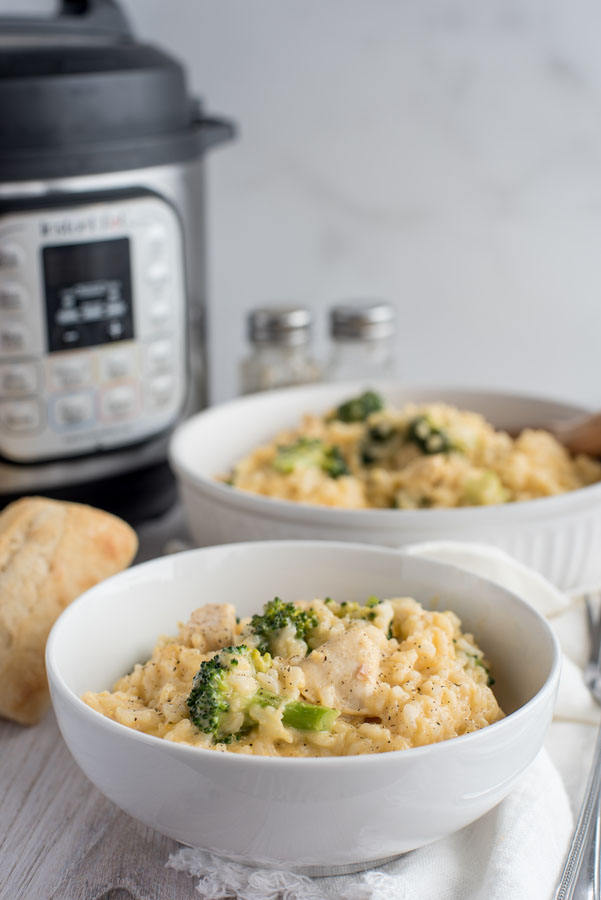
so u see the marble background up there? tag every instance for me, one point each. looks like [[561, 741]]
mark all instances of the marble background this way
[[444, 154]]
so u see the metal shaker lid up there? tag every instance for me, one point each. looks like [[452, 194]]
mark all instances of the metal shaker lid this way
[[284, 325], [362, 320]]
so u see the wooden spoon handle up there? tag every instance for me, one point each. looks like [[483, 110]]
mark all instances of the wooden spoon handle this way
[[582, 435]]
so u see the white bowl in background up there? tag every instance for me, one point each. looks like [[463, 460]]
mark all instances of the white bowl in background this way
[[320, 815], [558, 536]]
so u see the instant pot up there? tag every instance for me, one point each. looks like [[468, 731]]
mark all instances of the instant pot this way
[[102, 344]]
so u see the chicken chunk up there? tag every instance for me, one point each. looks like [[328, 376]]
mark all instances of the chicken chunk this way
[[343, 672], [210, 627]]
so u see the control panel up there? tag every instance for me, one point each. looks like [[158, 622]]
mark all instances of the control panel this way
[[92, 326]]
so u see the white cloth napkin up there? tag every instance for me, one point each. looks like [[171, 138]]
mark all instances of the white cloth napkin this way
[[515, 852], [565, 614]]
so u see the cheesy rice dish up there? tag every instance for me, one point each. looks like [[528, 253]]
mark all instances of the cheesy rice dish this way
[[317, 678], [365, 454]]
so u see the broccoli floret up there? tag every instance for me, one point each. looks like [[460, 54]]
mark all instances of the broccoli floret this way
[[209, 701], [278, 615], [374, 611], [428, 437], [484, 488], [221, 708], [357, 409], [354, 610], [334, 463], [376, 439], [381, 433], [477, 660], [308, 716], [308, 453]]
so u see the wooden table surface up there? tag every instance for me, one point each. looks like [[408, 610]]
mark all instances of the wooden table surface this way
[[60, 839]]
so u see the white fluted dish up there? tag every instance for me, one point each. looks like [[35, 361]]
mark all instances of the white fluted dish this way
[[558, 536], [312, 815]]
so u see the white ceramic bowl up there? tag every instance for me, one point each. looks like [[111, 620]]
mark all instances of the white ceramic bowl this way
[[318, 815], [559, 536]]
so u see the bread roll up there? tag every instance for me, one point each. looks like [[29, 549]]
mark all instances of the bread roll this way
[[50, 552]]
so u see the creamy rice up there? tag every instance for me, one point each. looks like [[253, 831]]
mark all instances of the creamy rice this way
[[476, 464], [397, 675]]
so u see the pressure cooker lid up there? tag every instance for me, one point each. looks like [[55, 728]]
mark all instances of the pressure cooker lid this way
[[78, 95]]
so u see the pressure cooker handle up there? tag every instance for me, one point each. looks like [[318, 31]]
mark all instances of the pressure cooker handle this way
[[215, 131], [96, 18], [212, 129]]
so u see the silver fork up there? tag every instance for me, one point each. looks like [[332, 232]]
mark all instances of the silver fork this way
[[580, 879]]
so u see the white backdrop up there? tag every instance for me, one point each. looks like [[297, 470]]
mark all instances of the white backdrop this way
[[444, 154]]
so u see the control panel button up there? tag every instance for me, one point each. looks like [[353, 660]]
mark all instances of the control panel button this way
[[159, 356], [12, 297], [120, 402], [70, 371], [12, 255], [156, 242], [119, 363], [18, 378], [73, 409], [13, 337], [20, 416], [159, 312], [160, 389], [158, 274]]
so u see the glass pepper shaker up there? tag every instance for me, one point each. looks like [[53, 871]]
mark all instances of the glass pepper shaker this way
[[281, 355], [362, 341]]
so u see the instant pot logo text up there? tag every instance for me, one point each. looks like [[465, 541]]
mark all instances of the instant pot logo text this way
[[76, 227]]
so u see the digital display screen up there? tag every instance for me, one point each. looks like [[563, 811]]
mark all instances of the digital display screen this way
[[88, 294]]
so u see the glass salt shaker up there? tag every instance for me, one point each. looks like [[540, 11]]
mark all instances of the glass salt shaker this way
[[362, 341], [281, 349]]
